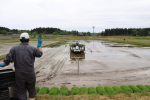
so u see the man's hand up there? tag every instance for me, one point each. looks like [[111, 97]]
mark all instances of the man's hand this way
[[2, 65], [39, 41], [39, 45]]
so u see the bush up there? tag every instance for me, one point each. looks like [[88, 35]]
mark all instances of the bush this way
[[109, 90], [53, 91], [43, 90], [100, 90], [64, 91], [37, 89], [142, 88], [135, 89], [92, 90], [126, 89], [74, 90], [83, 90], [117, 89]]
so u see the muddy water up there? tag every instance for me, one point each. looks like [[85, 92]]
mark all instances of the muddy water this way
[[104, 64], [5, 47]]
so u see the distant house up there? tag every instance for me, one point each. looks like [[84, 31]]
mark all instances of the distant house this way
[[10, 33], [80, 34]]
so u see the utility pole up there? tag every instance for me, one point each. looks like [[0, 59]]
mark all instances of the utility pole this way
[[93, 30]]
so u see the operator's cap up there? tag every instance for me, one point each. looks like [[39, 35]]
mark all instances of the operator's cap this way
[[24, 35]]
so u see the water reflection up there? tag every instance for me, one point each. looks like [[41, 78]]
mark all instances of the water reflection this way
[[74, 56], [77, 57], [111, 44]]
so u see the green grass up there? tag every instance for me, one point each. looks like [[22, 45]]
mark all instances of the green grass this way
[[138, 41], [64, 91], [135, 89], [74, 90], [55, 44], [126, 89], [92, 90], [83, 90], [143, 88], [109, 90], [53, 91], [123, 92], [148, 86], [43, 90], [117, 89], [100, 90]]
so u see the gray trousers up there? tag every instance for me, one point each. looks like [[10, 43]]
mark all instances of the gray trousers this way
[[25, 81]]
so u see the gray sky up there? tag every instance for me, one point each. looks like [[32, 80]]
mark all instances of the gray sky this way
[[80, 15]]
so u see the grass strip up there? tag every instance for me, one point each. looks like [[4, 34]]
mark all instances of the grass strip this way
[[138, 41], [64, 91], [100, 90], [126, 89], [148, 86], [117, 89], [43, 90], [135, 89], [143, 88], [83, 90], [55, 44], [51, 44], [53, 91], [74, 90], [109, 90], [92, 90]]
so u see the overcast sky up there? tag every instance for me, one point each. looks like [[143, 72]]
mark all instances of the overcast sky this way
[[80, 15]]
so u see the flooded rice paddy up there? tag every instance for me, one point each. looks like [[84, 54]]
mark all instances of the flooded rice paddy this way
[[104, 64]]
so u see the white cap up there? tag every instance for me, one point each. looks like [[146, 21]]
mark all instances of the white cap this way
[[24, 35]]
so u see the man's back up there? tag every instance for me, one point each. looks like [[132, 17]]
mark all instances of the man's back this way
[[23, 56]]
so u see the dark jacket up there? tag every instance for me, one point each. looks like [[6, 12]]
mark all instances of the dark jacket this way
[[23, 56]]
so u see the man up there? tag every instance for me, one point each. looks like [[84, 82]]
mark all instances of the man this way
[[23, 56], [77, 44]]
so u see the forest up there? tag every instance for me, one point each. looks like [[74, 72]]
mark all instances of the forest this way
[[44, 30], [126, 32]]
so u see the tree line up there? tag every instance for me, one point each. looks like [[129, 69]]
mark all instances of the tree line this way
[[57, 31], [126, 32], [44, 30]]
